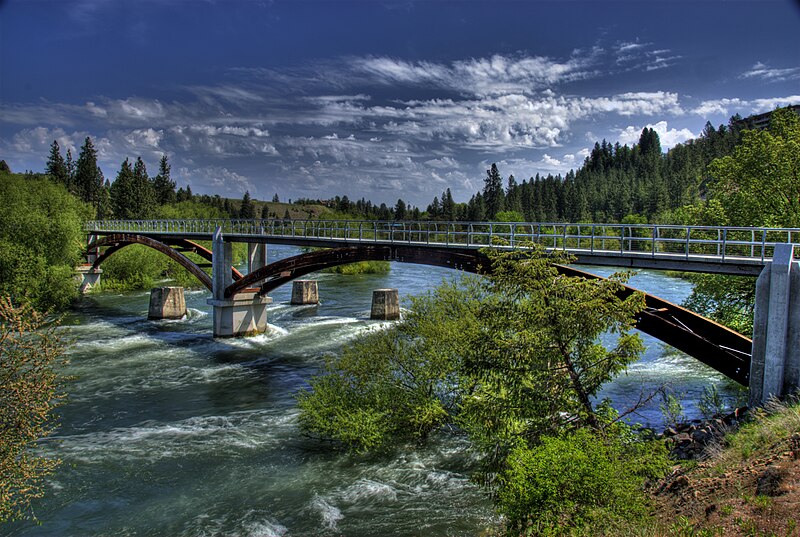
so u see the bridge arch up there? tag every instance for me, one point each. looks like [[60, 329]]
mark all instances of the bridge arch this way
[[110, 244], [709, 342]]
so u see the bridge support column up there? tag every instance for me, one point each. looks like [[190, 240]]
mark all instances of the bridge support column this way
[[385, 305], [775, 365], [167, 303], [88, 277], [305, 292], [256, 256], [242, 315]]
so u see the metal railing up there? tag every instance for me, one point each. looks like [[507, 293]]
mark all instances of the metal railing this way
[[722, 244]]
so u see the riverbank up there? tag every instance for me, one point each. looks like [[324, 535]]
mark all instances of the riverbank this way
[[748, 483]]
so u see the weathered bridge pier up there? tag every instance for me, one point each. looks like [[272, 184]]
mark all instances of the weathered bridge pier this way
[[770, 364]]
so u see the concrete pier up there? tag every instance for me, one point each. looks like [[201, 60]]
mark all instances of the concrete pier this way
[[167, 303], [244, 314], [775, 364], [385, 304], [88, 278], [305, 292]]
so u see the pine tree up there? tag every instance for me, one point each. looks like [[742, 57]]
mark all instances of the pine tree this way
[[265, 212], [275, 198], [400, 210], [448, 206], [122, 192], [247, 211], [162, 184], [144, 201], [70, 164], [493, 195], [56, 167], [88, 177]]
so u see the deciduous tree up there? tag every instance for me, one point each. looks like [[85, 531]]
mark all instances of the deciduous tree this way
[[30, 390]]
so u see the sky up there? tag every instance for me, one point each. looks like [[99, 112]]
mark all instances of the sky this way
[[379, 99]]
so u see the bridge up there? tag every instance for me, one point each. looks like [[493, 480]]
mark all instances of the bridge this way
[[770, 364]]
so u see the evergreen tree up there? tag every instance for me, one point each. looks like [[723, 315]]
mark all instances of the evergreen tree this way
[[4, 168], [70, 164], [400, 210], [144, 201], [448, 206], [275, 198], [122, 192], [88, 177], [434, 209], [247, 211], [493, 195], [56, 167], [162, 184], [265, 212]]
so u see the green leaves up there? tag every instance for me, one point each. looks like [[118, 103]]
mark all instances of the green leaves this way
[[514, 360]]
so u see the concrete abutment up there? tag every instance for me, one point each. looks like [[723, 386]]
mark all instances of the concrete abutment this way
[[775, 363]]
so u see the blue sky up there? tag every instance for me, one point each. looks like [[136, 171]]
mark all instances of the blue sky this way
[[379, 99]]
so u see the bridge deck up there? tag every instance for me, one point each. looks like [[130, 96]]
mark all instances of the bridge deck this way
[[721, 250]]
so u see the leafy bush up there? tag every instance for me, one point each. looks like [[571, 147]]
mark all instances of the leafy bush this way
[[577, 482], [40, 240]]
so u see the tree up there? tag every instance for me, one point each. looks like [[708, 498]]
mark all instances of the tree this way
[[122, 192], [143, 204], [275, 198], [88, 177], [56, 167], [514, 360], [247, 210], [400, 210], [265, 212], [758, 185], [493, 195], [163, 186], [30, 391]]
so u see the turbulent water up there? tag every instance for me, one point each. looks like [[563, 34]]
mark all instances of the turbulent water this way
[[170, 432]]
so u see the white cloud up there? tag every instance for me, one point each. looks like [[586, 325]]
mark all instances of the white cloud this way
[[763, 72], [669, 137], [495, 75], [732, 106]]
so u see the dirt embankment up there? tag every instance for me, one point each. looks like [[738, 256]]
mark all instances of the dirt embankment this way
[[747, 483]]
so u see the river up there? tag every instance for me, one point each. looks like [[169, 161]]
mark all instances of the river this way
[[170, 432]]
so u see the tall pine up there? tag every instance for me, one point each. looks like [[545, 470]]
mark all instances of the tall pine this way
[[493, 195], [88, 177], [163, 186]]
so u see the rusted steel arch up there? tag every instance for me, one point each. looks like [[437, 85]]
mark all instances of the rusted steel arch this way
[[114, 243], [285, 270], [200, 250], [707, 341]]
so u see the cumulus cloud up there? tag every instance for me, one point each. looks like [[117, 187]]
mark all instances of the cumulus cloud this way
[[668, 137]]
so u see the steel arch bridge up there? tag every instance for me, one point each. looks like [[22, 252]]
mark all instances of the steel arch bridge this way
[[709, 342]]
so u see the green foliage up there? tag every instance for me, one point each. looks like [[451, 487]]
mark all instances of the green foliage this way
[[729, 300], [30, 391], [40, 240], [394, 383], [577, 481], [758, 184], [362, 267], [671, 409], [140, 267], [190, 209], [513, 360], [711, 403]]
